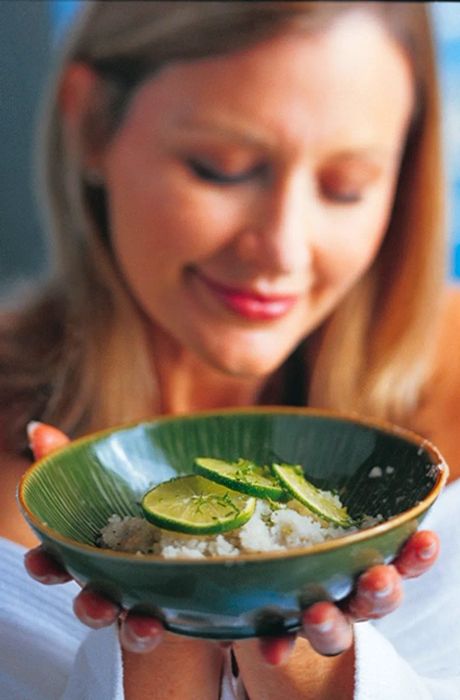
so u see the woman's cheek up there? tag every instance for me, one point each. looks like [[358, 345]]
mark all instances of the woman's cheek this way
[[348, 257], [197, 224]]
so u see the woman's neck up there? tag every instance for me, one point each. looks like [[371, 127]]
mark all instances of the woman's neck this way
[[187, 384]]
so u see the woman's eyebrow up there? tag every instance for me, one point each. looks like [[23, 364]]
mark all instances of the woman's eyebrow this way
[[249, 135], [367, 154], [236, 131]]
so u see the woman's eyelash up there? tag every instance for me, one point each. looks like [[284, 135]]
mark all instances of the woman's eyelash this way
[[344, 197], [210, 174], [348, 197]]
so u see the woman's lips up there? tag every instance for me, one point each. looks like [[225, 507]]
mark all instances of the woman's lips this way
[[251, 305]]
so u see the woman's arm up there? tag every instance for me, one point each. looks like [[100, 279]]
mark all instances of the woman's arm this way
[[438, 414], [306, 675], [182, 668]]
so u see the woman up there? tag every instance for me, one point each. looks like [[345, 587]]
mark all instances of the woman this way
[[248, 195]]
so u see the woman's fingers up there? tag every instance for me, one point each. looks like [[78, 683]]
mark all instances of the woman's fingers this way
[[140, 634], [44, 439], [418, 554], [137, 633], [327, 628], [378, 592], [94, 610], [43, 568], [276, 650]]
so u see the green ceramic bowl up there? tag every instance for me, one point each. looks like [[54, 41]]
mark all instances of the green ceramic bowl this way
[[376, 468]]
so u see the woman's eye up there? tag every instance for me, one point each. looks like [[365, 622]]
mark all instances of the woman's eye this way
[[210, 174], [351, 197]]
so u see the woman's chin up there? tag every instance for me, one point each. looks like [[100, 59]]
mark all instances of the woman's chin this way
[[245, 365]]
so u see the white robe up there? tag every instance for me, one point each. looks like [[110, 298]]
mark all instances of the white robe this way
[[412, 654]]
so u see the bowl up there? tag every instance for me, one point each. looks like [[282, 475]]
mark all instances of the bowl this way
[[378, 469]]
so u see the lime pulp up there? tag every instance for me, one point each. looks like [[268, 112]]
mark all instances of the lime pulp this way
[[196, 506]]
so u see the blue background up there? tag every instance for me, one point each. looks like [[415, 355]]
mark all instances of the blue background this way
[[447, 22]]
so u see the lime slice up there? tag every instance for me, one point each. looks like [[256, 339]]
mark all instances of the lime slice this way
[[242, 475], [320, 502], [196, 506]]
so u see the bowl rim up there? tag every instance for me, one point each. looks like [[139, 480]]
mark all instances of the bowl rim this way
[[385, 426]]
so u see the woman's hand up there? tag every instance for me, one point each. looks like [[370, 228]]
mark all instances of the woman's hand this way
[[379, 591], [328, 627], [137, 634]]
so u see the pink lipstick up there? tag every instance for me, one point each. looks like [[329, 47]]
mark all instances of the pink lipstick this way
[[251, 305]]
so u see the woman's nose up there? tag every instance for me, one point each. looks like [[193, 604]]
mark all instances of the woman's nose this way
[[278, 237]]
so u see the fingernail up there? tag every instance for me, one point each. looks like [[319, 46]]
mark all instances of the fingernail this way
[[427, 552], [138, 636], [322, 627], [94, 622], [143, 627], [31, 427], [138, 643], [286, 652], [48, 580], [383, 592], [103, 620], [84, 608]]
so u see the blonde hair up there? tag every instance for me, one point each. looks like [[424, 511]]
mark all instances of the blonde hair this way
[[68, 358]]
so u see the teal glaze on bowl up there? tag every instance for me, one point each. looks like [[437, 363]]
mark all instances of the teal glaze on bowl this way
[[69, 496]]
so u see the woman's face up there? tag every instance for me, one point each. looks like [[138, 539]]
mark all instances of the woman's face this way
[[247, 193]]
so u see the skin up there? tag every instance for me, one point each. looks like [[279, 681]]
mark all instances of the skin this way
[[314, 189]]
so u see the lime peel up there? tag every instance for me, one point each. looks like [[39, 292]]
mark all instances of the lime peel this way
[[243, 475], [322, 503]]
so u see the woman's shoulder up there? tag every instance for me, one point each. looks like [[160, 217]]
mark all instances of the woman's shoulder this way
[[31, 345], [446, 359], [450, 317], [439, 413]]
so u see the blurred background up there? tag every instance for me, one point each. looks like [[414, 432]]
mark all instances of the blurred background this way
[[29, 33]]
